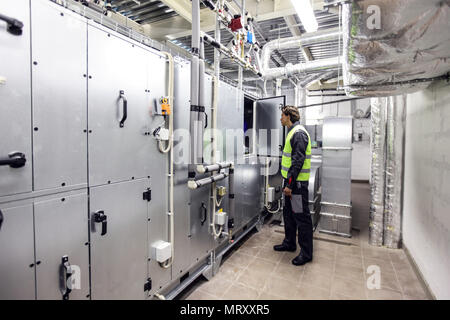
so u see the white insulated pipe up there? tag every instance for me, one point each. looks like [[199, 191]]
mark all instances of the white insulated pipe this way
[[311, 66], [297, 42], [194, 184]]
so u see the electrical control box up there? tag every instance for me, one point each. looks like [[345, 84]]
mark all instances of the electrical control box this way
[[162, 106], [271, 195], [161, 251], [221, 191], [161, 134], [221, 218]]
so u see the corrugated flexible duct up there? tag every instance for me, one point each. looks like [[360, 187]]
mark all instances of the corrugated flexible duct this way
[[377, 187], [384, 57], [394, 169]]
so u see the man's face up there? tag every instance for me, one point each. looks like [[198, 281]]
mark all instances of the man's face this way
[[284, 120]]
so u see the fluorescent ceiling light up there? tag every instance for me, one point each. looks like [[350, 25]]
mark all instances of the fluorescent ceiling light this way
[[306, 14]]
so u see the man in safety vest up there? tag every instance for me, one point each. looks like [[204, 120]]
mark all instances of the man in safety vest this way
[[295, 169]]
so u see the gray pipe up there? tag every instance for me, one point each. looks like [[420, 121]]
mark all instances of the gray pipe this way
[[214, 167], [193, 127], [201, 102], [192, 184]]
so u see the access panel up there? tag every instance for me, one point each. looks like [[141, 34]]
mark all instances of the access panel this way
[[119, 240], [62, 248], [16, 252], [121, 99], [15, 101], [59, 69]]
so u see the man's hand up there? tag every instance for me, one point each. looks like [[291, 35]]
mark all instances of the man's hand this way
[[287, 192]]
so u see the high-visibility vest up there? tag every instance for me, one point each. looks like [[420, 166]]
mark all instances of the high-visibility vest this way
[[286, 160]]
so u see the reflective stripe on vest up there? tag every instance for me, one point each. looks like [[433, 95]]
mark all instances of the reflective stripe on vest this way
[[286, 160]]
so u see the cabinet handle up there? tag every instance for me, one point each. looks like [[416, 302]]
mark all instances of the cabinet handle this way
[[124, 107], [205, 211], [65, 272], [14, 160], [100, 217], [1, 219], [14, 26]]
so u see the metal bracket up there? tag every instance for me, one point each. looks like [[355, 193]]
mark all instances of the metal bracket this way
[[148, 285], [147, 195]]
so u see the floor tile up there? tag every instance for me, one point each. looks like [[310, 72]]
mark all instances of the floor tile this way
[[307, 292], [253, 278], [239, 259], [265, 266], [350, 272], [215, 286], [270, 254], [268, 296], [349, 251], [349, 288], [201, 295], [384, 265], [281, 287], [317, 278], [350, 260], [289, 272], [383, 294], [240, 292]]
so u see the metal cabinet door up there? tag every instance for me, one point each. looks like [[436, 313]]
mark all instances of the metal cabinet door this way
[[61, 229], [17, 253], [15, 98], [118, 153], [201, 239], [59, 41], [269, 132], [119, 257]]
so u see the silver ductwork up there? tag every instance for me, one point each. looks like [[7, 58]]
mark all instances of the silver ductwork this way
[[394, 46], [296, 42], [388, 127], [395, 129], [377, 186]]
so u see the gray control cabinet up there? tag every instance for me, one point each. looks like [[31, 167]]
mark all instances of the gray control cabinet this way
[[120, 147], [17, 252], [59, 96], [61, 229], [15, 99], [119, 257]]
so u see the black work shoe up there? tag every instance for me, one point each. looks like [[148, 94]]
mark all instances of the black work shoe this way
[[300, 260], [282, 247]]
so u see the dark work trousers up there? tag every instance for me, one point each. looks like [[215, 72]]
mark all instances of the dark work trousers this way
[[297, 217]]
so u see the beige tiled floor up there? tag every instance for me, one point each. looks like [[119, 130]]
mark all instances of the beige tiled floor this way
[[254, 271]]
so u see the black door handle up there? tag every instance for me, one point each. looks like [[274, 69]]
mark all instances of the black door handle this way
[[14, 26], [14, 160], [100, 217], [65, 272], [124, 107], [206, 120], [1, 219], [205, 211]]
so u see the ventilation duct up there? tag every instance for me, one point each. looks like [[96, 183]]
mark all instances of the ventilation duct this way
[[394, 46]]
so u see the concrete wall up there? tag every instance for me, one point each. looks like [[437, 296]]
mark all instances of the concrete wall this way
[[426, 205]]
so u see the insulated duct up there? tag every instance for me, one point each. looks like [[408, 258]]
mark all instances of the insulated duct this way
[[378, 146], [394, 169], [296, 42], [390, 44], [388, 127]]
